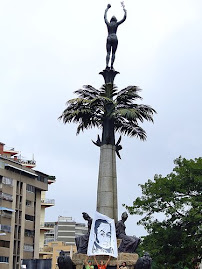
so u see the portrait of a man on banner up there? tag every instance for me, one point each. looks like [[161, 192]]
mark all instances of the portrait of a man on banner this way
[[102, 240]]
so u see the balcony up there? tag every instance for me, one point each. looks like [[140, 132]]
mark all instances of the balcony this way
[[51, 179], [47, 202], [48, 240], [28, 163], [51, 232], [46, 226], [4, 214], [5, 228], [29, 248]]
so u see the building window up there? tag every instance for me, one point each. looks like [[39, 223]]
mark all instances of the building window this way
[[28, 203], [7, 181], [6, 214], [29, 217], [5, 228], [4, 259], [6, 196], [30, 188], [29, 248], [2, 164], [42, 179], [4, 244], [29, 233]]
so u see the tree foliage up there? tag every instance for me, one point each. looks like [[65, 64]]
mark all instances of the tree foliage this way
[[175, 241]]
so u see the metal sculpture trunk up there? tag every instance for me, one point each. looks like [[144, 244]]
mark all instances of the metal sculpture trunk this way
[[108, 136]]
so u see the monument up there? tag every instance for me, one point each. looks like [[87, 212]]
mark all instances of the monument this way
[[112, 111]]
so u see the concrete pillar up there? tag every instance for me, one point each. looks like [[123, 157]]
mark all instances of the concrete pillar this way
[[12, 225], [23, 205], [107, 183], [37, 224]]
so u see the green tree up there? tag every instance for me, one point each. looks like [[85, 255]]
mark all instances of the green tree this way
[[175, 241], [111, 111]]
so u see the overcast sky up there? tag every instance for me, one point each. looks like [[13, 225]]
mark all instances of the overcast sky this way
[[51, 48]]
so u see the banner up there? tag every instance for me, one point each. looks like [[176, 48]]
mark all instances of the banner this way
[[102, 239]]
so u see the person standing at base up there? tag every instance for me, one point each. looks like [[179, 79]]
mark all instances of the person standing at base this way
[[122, 266], [88, 264], [102, 265]]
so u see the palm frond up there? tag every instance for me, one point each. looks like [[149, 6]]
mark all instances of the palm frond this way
[[93, 107], [129, 129], [88, 92], [87, 124], [128, 95], [127, 113]]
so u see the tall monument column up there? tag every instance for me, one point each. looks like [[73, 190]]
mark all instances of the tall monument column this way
[[107, 183], [107, 203], [107, 198], [112, 111]]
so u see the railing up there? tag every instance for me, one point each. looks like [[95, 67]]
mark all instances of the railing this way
[[28, 248], [48, 240], [48, 201], [50, 232], [51, 179], [5, 228], [47, 225], [7, 181], [6, 196], [27, 162]]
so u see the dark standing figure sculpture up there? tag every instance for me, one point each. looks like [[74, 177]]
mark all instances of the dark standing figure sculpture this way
[[144, 262], [82, 241], [64, 262], [128, 243], [112, 40]]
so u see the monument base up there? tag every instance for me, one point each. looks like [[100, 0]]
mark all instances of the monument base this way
[[129, 258]]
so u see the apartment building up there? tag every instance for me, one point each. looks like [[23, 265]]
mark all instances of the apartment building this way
[[68, 229], [59, 236], [21, 190], [44, 228], [50, 234]]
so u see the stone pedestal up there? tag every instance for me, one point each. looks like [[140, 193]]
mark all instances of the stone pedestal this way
[[129, 258], [107, 183]]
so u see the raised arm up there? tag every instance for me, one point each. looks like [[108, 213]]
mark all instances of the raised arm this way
[[108, 261], [105, 15], [124, 17], [95, 261], [86, 260]]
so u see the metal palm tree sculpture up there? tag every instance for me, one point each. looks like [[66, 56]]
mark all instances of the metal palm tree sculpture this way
[[112, 111]]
